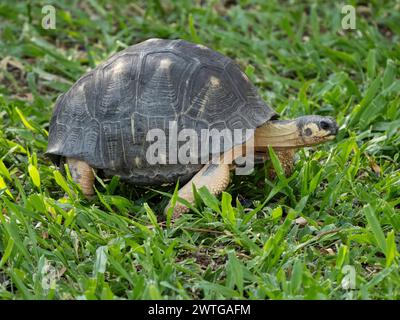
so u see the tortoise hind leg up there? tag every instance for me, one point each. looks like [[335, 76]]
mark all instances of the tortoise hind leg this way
[[83, 175], [214, 176]]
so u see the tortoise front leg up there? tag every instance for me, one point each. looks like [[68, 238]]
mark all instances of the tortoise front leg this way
[[286, 158], [83, 175], [214, 176]]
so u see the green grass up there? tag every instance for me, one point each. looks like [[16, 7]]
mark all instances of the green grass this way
[[249, 242]]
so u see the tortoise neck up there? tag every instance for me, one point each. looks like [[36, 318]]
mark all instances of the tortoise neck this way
[[278, 134]]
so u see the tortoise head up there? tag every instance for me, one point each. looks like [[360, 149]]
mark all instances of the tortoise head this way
[[316, 129]]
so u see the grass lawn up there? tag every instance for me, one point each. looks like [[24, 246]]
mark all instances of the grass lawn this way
[[330, 231]]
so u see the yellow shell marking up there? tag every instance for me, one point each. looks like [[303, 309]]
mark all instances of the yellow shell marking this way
[[214, 81], [165, 63]]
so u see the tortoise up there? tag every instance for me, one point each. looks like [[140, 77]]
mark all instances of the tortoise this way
[[102, 122]]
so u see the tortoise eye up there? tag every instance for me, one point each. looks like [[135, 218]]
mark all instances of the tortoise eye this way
[[308, 132], [325, 125]]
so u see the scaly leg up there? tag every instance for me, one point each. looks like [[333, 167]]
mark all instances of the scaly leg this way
[[214, 176], [83, 175], [286, 158]]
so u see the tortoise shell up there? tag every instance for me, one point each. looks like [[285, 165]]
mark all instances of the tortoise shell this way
[[104, 117]]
